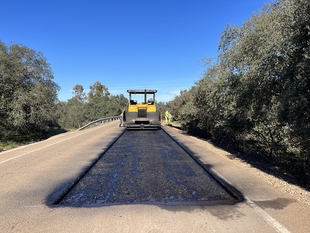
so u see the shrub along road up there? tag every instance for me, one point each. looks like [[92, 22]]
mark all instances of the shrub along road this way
[[33, 177]]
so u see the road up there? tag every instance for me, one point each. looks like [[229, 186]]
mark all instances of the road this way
[[33, 177], [147, 167]]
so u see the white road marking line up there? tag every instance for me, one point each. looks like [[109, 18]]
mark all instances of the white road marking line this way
[[266, 217], [26, 153]]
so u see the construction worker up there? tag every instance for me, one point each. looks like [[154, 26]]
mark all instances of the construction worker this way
[[168, 117], [120, 120]]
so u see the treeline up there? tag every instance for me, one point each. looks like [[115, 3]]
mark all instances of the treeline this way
[[28, 97], [255, 97], [83, 108]]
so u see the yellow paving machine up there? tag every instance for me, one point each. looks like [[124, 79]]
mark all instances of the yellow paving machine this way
[[143, 114]]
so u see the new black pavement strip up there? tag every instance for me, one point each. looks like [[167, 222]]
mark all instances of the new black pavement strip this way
[[146, 167]]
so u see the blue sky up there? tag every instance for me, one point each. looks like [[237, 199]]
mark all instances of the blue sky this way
[[124, 44]]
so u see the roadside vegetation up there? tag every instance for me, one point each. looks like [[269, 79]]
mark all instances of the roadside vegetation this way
[[29, 108], [83, 108], [254, 97]]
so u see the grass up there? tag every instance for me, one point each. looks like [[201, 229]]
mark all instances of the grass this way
[[13, 141]]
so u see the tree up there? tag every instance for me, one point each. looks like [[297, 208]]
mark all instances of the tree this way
[[122, 102], [78, 92], [184, 110], [295, 81], [97, 90], [28, 93], [258, 92], [77, 111]]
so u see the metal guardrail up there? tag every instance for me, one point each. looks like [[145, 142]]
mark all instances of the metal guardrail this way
[[102, 120]]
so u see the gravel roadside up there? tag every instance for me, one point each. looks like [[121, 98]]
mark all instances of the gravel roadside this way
[[295, 191]]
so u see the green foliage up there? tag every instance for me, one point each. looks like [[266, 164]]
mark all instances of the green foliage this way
[[162, 107], [97, 90], [256, 97], [78, 93], [71, 114], [13, 141], [29, 104], [28, 93], [183, 109], [80, 110]]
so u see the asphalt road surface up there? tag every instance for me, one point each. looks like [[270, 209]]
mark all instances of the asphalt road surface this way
[[34, 177], [147, 167]]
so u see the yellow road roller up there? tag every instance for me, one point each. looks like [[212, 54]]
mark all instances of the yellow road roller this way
[[141, 112]]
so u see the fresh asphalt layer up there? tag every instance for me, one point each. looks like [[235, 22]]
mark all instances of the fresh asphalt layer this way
[[146, 167]]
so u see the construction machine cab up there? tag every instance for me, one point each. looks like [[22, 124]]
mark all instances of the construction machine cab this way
[[142, 112]]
